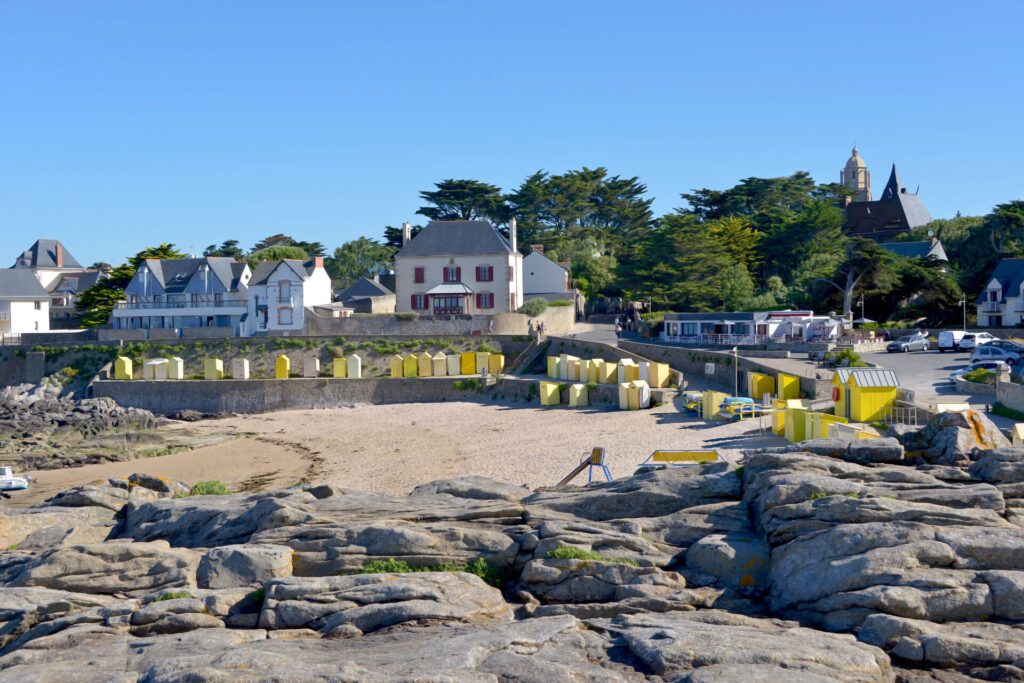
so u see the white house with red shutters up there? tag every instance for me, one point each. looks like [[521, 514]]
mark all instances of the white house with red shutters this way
[[458, 268]]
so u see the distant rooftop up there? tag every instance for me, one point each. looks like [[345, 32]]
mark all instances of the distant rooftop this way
[[46, 254]]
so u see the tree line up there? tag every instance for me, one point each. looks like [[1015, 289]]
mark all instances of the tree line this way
[[763, 244]]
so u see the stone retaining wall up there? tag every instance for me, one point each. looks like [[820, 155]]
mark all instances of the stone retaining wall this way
[[1011, 395], [260, 396], [975, 388]]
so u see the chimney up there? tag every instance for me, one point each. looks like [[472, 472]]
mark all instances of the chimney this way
[[513, 237], [406, 233], [539, 248], [376, 276], [59, 255], [318, 262]]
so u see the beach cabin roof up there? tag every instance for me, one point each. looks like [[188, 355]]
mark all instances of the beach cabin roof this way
[[867, 377]]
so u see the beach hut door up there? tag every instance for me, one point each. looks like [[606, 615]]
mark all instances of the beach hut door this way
[[847, 390]]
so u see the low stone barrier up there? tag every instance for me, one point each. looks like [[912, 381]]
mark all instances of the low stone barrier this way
[[261, 396], [974, 388]]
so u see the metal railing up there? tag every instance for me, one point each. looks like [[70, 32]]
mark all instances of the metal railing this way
[[202, 303], [990, 306]]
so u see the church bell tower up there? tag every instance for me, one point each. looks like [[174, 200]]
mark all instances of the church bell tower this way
[[857, 178]]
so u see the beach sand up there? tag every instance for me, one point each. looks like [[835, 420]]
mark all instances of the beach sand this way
[[392, 448]]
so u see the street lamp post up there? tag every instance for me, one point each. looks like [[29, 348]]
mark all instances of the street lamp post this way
[[963, 302], [736, 368], [861, 302]]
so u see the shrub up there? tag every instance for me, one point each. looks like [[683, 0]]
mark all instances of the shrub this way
[[568, 552], [852, 358], [1006, 411], [257, 596], [209, 488], [173, 595], [488, 348], [468, 385], [980, 376], [558, 303], [478, 567], [534, 307]]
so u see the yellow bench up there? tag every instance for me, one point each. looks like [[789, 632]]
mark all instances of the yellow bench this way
[[682, 457]]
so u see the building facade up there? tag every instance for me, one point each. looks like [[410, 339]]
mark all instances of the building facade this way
[[279, 293], [24, 303], [61, 275], [541, 275], [211, 291], [458, 268], [749, 327], [897, 210], [1001, 303]]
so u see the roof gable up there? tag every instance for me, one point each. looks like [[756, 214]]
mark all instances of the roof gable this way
[[1009, 274], [364, 287], [456, 238], [265, 270]]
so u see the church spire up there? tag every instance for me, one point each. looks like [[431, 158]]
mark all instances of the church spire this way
[[894, 187]]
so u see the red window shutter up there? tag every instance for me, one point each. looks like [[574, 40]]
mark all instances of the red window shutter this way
[[414, 302], [479, 275], [419, 276], [479, 300], [444, 274], [510, 276], [458, 273]]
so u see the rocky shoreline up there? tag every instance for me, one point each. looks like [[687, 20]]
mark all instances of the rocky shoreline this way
[[833, 562]]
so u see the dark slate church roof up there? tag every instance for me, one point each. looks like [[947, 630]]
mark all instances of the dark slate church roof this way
[[896, 210], [43, 254], [456, 238], [1010, 274]]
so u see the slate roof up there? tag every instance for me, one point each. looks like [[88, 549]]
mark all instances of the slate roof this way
[[75, 281], [920, 250], [20, 284], [264, 269], [43, 254], [1010, 274], [869, 377], [456, 238], [175, 274], [363, 288], [896, 210]]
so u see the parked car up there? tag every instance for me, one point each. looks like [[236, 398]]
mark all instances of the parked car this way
[[911, 342], [989, 352], [950, 340], [1008, 345], [973, 340], [993, 365]]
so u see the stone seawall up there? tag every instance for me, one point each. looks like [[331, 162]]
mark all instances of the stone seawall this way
[[261, 396]]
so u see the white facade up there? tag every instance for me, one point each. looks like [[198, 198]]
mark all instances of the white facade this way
[[24, 316], [541, 275], [995, 310], [278, 300]]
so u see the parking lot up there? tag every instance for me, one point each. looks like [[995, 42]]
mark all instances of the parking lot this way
[[927, 373]]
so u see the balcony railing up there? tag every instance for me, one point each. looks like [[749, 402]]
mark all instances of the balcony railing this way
[[990, 306], [1018, 307], [200, 303]]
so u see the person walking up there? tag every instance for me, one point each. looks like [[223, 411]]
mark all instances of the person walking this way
[[618, 330]]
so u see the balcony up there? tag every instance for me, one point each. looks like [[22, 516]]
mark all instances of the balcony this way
[[200, 306], [991, 307], [1018, 306]]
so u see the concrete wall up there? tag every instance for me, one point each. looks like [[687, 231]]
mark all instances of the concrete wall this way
[[260, 396], [691, 361], [1011, 395]]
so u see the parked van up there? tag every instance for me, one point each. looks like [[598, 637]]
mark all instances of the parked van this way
[[950, 340]]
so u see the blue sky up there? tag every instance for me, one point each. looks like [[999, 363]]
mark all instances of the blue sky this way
[[124, 124]]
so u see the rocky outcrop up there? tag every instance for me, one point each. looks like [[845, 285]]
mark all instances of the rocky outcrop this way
[[955, 438], [885, 565]]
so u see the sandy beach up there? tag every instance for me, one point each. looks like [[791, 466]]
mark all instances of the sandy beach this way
[[392, 448]]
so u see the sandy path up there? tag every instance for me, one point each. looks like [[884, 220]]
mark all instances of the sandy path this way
[[239, 464]]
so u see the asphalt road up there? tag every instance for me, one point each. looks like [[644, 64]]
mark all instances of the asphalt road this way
[[927, 372]]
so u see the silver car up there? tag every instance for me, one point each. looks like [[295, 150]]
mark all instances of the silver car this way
[[911, 342]]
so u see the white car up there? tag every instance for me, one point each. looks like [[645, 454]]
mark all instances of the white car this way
[[973, 340], [988, 352], [993, 365]]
